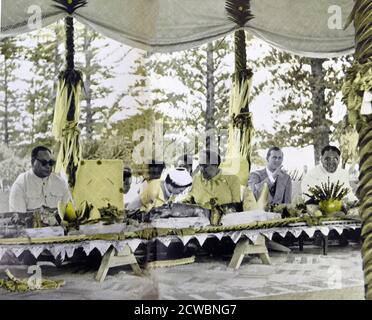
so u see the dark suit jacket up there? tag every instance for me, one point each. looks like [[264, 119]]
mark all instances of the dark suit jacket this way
[[283, 192]]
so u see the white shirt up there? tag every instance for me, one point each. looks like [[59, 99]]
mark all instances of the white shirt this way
[[320, 175], [270, 175], [132, 200], [29, 192]]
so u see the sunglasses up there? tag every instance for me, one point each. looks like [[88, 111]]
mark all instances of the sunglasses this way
[[45, 162]]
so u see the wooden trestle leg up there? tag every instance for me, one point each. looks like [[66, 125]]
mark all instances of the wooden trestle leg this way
[[244, 247], [114, 258], [277, 246]]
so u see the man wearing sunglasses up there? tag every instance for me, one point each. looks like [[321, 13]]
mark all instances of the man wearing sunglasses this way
[[38, 187]]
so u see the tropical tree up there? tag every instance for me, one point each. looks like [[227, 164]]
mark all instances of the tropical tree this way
[[204, 77], [46, 63], [100, 102], [10, 108], [308, 89]]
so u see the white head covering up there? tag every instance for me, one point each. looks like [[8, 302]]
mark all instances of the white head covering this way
[[179, 177]]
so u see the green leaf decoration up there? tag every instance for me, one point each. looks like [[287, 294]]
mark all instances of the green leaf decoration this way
[[327, 191], [361, 15], [70, 6], [239, 11]]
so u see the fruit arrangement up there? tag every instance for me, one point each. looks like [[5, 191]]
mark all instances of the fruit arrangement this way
[[87, 213], [329, 196], [330, 206]]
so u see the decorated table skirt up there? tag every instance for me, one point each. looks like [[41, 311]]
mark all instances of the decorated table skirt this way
[[65, 246]]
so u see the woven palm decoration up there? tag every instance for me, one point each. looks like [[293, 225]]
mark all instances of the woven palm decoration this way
[[358, 81], [240, 128], [239, 12], [69, 5], [67, 107]]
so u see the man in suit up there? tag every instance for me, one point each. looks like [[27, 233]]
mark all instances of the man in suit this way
[[278, 182]]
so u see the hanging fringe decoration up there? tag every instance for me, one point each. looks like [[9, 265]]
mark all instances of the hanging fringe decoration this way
[[358, 81], [67, 107], [240, 129], [239, 147], [349, 145]]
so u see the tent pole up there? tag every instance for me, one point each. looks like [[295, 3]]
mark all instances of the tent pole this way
[[243, 120], [67, 111], [239, 12], [240, 51], [70, 63]]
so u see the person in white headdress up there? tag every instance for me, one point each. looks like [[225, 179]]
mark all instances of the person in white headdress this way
[[177, 184], [173, 189]]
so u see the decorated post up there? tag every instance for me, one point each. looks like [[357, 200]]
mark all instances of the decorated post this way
[[240, 128], [92, 182], [67, 107], [357, 95]]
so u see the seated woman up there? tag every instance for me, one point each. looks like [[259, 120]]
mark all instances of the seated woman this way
[[211, 185]]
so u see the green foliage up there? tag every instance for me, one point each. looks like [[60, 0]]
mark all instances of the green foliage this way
[[10, 109], [175, 87], [307, 100], [70, 5], [327, 191], [11, 165], [239, 11], [111, 148], [188, 70], [47, 62], [26, 118], [122, 137], [97, 108]]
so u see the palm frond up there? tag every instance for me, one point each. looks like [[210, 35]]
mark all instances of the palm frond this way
[[328, 190], [70, 5], [361, 16], [239, 11]]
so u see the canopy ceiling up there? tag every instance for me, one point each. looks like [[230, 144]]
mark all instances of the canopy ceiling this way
[[298, 26]]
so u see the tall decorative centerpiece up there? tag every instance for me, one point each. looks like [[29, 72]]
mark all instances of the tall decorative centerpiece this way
[[329, 196]]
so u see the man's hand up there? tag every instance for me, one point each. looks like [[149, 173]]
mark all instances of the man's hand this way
[[278, 172], [15, 218]]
